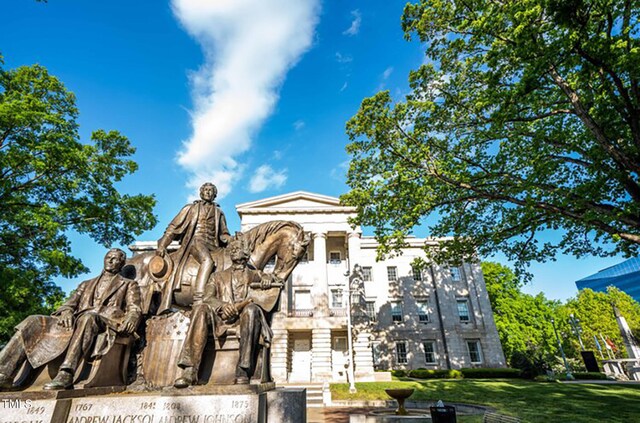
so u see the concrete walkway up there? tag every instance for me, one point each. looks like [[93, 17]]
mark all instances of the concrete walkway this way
[[603, 382], [334, 414]]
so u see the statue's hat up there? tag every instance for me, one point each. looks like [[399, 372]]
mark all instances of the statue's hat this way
[[160, 267]]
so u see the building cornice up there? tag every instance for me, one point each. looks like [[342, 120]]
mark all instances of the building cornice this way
[[308, 210]]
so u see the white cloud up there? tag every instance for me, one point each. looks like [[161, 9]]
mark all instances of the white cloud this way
[[384, 77], [355, 23], [340, 171], [265, 177], [343, 58], [249, 45], [344, 86], [298, 124]]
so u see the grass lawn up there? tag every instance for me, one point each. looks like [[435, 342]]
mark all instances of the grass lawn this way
[[530, 401]]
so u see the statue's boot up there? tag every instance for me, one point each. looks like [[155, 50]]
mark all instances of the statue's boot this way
[[242, 377], [6, 382], [189, 377], [63, 380]]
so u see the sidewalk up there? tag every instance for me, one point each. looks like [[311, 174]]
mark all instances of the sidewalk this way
[[604, 382], [334, 414]]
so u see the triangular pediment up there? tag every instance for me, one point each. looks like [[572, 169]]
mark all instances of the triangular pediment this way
[[299, 200]]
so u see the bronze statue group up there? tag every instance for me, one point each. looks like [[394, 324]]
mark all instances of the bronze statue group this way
[[230, 293]]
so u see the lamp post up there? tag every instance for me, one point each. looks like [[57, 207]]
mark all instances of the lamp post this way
[[564, 358], [575, 325], [352, 382]]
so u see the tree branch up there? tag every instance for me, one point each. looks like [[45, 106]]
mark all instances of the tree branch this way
[[632, 110], [590, 123]]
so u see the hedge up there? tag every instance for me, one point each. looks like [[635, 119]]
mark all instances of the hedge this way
[[589, 375], [435, 374], [490, 373], [398, 373], [468, 373]]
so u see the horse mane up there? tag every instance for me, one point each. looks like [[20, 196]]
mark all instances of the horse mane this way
[[259, 233]]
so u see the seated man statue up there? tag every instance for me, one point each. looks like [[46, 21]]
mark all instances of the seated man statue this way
[[228, 303], [97, 310]]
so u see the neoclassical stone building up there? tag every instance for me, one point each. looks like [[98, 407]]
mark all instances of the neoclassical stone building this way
[[439, 318]]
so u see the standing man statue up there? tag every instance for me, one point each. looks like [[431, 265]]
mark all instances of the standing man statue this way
[[228, 303], [201, 229], [88, 321]]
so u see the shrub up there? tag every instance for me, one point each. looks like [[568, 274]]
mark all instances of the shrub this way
[[490, 373], [398, 373], [589, 375], [435, 374], [532, 362]]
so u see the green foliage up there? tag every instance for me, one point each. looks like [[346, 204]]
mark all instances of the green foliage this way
[[490, 373], [523, 118], [435, 374], [523, 321], [52, 183], [589, 376], [594, 310], [398, 373]]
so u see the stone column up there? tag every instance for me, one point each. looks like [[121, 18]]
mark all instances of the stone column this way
[[321, 361], [279, 353], [320, 288], [353, 245], [363, 357]]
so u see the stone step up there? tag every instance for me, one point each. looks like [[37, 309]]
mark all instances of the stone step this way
[[314, 393]]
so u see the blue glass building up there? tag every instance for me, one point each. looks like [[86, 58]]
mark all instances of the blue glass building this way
[[625, 276]]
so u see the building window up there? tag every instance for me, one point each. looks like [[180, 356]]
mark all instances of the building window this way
[[475, 353], [429, 351], [336, 298], [375, 352], [371, 311], [401, 352], [417, 273], [302, 300], [463, 310], [367, 275], [335, 257], [340, 343], [396, 312], [271, 262], [305, 257], [423, 312], [392, 273], [456, 276]]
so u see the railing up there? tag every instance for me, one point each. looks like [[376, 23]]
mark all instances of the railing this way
[[338, 312], [301, 313]]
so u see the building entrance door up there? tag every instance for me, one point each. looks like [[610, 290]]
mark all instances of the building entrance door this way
[[301, 360], [339, 358]]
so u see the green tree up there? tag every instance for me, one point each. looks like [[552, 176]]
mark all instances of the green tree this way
[[523, 321], [595, 312], [525, 118], [50, 184]]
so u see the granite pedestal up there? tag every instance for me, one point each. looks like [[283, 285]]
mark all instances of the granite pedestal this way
[[200, 404]]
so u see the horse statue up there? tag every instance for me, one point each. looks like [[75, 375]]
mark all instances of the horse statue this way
[[284, 240]]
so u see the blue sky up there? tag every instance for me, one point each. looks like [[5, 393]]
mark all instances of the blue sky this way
[[253, 94]]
